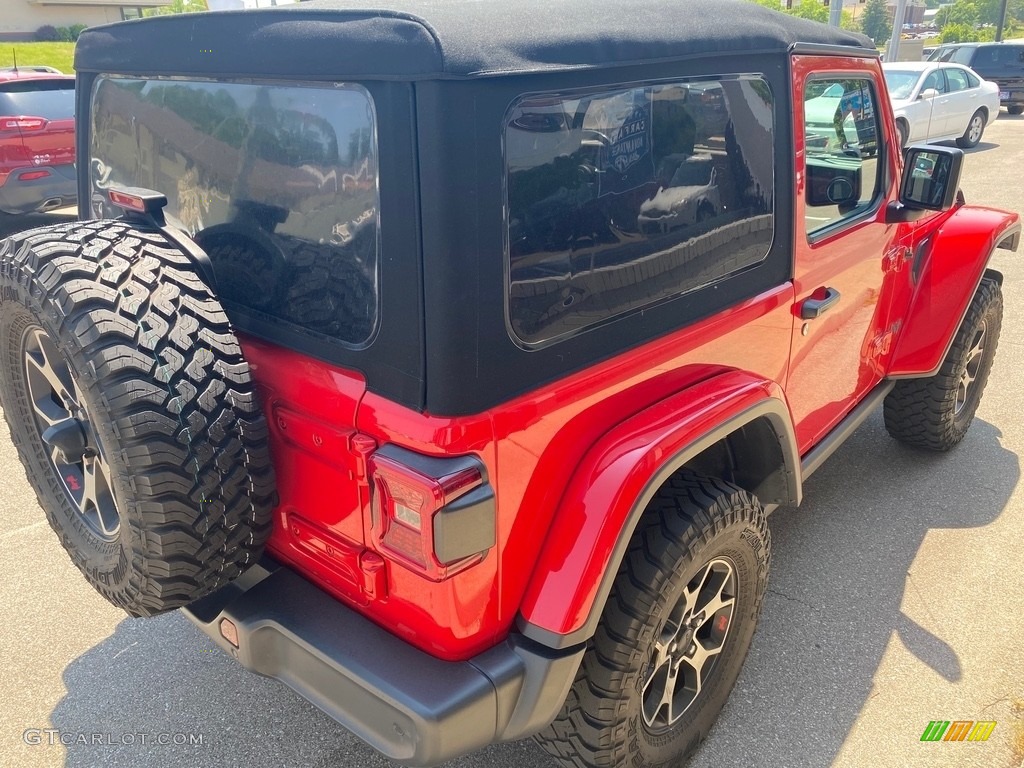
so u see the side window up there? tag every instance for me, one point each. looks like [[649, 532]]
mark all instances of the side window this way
[[957, 79], [984, 57], [972, 81], [1010, 54], [621, 199], [843, 173], [964, 55], [935, 80], [947, 54]]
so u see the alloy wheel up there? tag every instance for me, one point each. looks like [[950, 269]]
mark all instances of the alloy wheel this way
[[63, 424], [688, 647], [974, 129], [965, 387]]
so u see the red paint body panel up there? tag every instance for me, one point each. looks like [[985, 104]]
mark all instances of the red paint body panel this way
[[606, 485], [530, 447], [960, 249], [568, 460], [838, 361], [311, 410]]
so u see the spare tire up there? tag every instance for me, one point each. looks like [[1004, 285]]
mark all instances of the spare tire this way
[[133, 411]]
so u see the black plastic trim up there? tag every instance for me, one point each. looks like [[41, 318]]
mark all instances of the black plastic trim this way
[[824, 49], [414, 708], [776, 411], [431, 466], [466, 526], [827, 446]]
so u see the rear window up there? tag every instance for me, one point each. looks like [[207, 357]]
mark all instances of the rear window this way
[[1000, 55], [49, 99], [278, 183], [622, 199]]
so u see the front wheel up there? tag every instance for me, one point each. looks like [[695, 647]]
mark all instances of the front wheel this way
[[972, 135], [935, 413], [674, 633]]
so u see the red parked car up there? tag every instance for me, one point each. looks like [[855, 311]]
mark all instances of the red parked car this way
[[369, 352], [37, 140]]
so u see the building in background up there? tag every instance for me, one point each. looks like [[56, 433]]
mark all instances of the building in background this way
[[20, 19]]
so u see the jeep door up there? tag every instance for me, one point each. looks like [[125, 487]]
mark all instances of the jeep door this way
[[845, 175]]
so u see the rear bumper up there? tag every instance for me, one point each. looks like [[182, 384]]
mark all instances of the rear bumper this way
[[18, 196], [412, 707], [1014, 94]]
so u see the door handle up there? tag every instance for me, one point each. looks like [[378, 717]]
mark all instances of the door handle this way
[[815, 307]]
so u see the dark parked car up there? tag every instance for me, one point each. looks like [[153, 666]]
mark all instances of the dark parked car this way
[[1002, 63], [37, 140]]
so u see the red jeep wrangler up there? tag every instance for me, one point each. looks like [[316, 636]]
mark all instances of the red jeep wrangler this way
[[443, 360]]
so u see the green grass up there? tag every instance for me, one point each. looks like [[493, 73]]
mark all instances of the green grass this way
[[59, 55]]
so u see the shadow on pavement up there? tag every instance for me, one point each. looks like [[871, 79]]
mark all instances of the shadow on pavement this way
[[840, 574]]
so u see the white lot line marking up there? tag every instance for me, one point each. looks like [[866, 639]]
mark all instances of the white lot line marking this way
[[124, 649]]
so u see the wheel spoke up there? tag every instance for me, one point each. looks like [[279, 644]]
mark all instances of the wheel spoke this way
[[43, 359], [717, 604], [661, 696], [668, 697], [697, 669], [972, 367], [698, 660], [97, 501], [691, 596]]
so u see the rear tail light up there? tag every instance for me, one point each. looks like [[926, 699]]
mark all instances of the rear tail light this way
[[22, 123], [131, 202], [32, 175], [432, 515]]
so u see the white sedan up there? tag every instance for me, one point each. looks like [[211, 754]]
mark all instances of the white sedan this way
[[938, 101]]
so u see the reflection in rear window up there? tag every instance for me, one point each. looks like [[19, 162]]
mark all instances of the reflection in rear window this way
[[49, 99], [277, 183], [619, 200]]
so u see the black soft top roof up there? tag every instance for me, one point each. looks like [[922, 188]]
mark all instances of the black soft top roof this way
[[429, 39]]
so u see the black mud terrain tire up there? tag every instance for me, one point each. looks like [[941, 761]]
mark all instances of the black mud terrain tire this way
[[696, 533], [133, 412], [934, 413]]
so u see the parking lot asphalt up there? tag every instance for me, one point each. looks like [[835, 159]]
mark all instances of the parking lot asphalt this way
[[895, 599]]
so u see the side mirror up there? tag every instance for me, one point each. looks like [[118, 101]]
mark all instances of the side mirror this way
[[833, 180], [928, 93], [931, 178]]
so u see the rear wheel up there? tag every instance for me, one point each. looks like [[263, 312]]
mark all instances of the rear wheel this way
[[935, 412], [1016, 109], [133, 412], [674, 633], [975, 128]]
